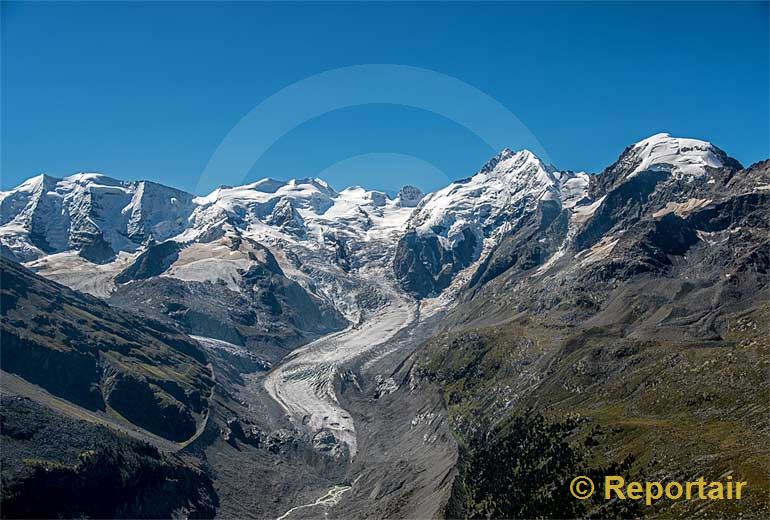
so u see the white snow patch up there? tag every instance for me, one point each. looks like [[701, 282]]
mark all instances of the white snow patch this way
[[581, 214], [689, 157]]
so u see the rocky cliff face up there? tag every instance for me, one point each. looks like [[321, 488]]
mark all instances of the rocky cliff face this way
[[261, 308]]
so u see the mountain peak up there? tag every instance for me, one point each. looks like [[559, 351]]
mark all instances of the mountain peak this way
[[508, 160], [409, 196], [84, 177], [508, 153], [314, 182], [266, 185], [35, 182], [664, 139], [676, 154]]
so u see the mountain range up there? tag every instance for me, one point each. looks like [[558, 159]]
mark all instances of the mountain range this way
[[295, 350]]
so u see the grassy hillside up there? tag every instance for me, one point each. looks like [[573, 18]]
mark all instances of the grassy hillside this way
[[102, 358], [540, 403], [57, 467]]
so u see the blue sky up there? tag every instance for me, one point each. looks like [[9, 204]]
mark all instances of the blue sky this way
[[151, 90]]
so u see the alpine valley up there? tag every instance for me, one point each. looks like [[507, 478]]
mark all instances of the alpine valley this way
[[285, 350]]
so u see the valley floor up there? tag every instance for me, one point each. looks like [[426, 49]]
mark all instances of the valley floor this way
[[357, 439]]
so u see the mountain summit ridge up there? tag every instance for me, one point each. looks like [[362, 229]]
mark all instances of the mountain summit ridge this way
[[101, 217]]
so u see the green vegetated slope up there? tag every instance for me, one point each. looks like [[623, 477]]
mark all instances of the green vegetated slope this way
[[104, 359], [647, 359], [58, 467], [532, 412]]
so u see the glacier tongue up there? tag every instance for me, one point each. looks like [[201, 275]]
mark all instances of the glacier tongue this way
[[304, 384]]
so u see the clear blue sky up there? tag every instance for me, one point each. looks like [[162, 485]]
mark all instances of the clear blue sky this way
[[149, 91]]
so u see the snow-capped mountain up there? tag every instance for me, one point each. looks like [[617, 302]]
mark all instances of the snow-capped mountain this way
[[676, 157], [95, 234], [97, 217], [322, 238], [483, 201], [88, 212], [306, 217], [457, 225], [262, 269], [683, 156], [305, 209]]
